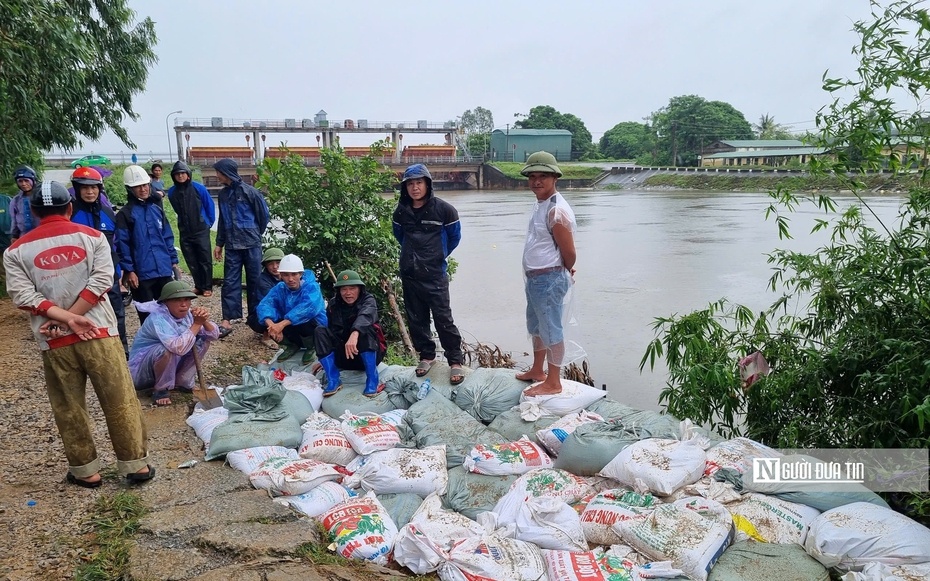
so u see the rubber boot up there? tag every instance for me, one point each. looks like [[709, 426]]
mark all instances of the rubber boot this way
[[309, 351], [372, 385], [333, 383]]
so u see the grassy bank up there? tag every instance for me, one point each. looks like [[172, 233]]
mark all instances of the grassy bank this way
[[763, 182], [569, 172]]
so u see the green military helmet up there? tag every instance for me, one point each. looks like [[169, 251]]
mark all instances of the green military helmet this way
[[541, 161], [176, 289], [272, 254], [348, 278]]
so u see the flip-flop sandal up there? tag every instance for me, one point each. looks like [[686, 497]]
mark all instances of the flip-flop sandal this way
[[72, 479], [160, 394], [423, 367], [456, 375], [225, 331], [136, 478]]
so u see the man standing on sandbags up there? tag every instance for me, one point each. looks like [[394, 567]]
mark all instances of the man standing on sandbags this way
[[60, 273], [548, 267], [352, 338], [428, 230]]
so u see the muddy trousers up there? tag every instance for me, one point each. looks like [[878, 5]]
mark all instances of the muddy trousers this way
[[66, 372], [421, 298]]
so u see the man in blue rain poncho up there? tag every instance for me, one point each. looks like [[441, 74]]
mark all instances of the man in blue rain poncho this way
[[162, 353], [293, 309]]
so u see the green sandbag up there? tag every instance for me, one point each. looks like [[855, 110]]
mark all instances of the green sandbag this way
[[400, 506], [610, 409], [512, 427], [350, 397], [487, 393], [754, 561], [593, 445], [234, 435], [471, 494], [438, 377], [434, 408], [459, 434], [297, 405]]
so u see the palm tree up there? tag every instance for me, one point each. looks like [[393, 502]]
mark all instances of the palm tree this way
[[766, 128]]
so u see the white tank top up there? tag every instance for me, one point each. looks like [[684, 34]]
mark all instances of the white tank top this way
[[541, 250]]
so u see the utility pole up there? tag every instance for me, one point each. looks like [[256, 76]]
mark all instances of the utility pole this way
[[507, 147], [674, 143]]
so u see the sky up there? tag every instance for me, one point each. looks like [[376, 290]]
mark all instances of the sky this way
[[604, 61]]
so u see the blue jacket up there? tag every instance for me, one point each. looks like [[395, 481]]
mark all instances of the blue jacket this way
[[427, 235], [144, 239], [98, 216], [297, 306], [243, 211]]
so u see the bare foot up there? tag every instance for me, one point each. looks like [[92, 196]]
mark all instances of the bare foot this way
[[532, 376], [544, 388]]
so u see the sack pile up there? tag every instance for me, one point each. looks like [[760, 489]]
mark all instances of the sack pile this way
[[478, 481]]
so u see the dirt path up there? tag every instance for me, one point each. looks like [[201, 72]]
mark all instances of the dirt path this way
[[44, 520]]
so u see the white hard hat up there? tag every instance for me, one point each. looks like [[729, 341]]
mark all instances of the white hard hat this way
[[291, 263], [134, 175]]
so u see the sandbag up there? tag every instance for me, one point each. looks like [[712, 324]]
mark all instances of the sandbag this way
[[299, 403], [510, 458], [512, 427], [438, 376], [552, 436], [657, 465], [754, 561], [458, 434], [401, 506], [554, 483], [307, 384], [369, 433], [317, 501], [545, 521], [881, 572], [851, 536], [610, 409], [707, 508], [400, 470], [772, 520], [323, 440], [361, 528], [491, 557], [737, 454], [286, 477], [249, 459], [433, 409], [205, 421], [604, 509], [423, 543], [592, 446], [471, 494], [350, 397], [486, 393], [652, 424], [600, 565], [239, 432], [674, 533], [574, 397]]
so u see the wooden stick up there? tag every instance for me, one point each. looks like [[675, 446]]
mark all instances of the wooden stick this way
[[330, 269], [404, 335]]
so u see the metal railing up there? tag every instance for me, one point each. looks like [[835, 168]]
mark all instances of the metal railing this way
[[285, 125]]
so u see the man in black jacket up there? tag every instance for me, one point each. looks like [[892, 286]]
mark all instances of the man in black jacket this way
[[352, 338], [196, 213], [428, 230]]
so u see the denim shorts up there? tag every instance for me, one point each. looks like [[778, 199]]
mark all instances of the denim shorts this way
[[544, 296]]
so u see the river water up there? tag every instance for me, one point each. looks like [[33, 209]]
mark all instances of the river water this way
[[640, 255]]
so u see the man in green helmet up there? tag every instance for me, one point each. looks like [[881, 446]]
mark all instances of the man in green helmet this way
[[548, 267], [352, 337]]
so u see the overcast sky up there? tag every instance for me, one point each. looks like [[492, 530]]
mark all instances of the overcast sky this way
[[606, 61]]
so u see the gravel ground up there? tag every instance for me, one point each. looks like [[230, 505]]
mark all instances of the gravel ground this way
[[48, 539]]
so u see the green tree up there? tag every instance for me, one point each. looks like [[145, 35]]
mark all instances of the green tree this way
[[847, 334], [68, 70], [690, 122], [478, 125], [767, 128], [547, 117], [627, 140], [337, 215]]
